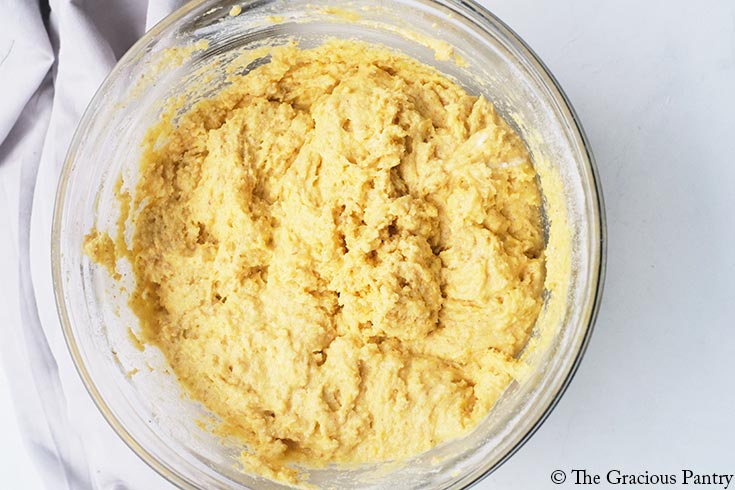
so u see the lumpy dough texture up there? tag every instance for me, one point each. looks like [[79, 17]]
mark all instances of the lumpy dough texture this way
[[340, 255]]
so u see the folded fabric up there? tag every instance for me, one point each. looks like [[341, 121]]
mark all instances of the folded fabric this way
[[53, 57]]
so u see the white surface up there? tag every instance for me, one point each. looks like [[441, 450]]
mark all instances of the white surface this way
[[654, 86], [16, 468]]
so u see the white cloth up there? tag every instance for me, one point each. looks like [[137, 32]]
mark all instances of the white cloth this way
[[52, 59]]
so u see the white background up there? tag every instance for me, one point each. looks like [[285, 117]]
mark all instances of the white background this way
[[653, 83]]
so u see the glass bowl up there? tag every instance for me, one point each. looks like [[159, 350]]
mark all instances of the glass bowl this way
[[131, 386]]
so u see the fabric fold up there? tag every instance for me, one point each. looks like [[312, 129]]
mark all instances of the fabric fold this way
[[49, 71]]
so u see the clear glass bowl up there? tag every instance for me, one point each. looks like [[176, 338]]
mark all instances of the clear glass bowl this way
[[131, 387]]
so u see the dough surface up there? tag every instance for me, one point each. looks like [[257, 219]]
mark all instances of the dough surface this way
[[340, 255]]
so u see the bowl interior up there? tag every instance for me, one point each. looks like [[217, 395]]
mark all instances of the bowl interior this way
[[133, 388]]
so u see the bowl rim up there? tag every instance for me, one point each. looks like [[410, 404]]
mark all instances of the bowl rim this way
[[598, 256]]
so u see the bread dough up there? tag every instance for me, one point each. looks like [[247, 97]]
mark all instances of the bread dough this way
[[340, 255]]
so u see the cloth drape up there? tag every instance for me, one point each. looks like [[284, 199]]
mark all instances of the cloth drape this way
[[53, 57]]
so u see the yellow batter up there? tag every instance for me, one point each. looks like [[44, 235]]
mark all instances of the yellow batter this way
[[340, 255]]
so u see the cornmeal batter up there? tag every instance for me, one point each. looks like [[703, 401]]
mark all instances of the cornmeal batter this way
[[340, 255]]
